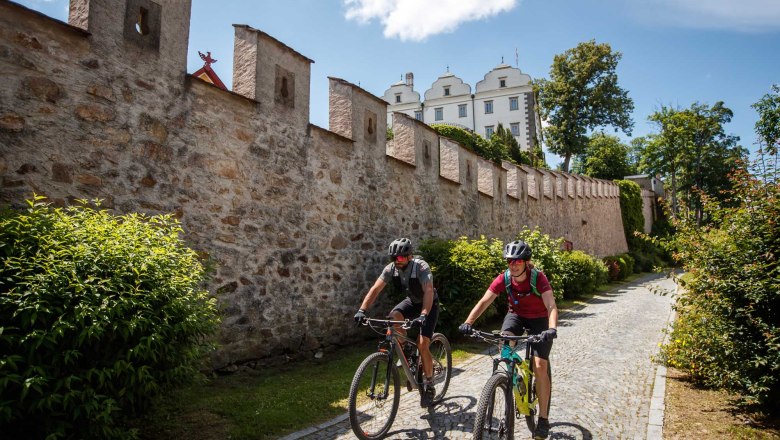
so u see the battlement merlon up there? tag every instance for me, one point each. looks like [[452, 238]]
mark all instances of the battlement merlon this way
[[152, 36], [358, 115], [268, 71]]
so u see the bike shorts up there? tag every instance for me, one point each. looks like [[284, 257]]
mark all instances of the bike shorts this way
[[410, 310], [516, 325]]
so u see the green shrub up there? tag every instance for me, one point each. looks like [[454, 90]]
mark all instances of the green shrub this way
[[727, 332], [619, 266], [99, 314], [546, 256], [462, 271], [580, 273]]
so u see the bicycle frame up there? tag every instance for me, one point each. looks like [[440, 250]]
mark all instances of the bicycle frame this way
[[517, 368], [392, 346]]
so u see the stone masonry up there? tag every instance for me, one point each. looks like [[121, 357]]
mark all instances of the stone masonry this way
[[296, 217]]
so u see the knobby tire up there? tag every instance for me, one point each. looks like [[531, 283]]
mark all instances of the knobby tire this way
[[495, 416], [374, 420], [441, 353]]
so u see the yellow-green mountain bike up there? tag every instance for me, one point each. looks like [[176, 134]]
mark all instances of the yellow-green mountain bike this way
[[511, 390]]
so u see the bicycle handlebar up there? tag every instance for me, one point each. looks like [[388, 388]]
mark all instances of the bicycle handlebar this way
[[495, 337], [406, 324]]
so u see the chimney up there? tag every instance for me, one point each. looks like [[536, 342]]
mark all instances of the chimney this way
[[410, 79]]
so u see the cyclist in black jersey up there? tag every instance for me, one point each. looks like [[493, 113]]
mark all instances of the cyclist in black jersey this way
[[412, 276]]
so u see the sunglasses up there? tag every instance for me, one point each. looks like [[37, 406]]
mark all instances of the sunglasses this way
[[401, 258], [513, 260]]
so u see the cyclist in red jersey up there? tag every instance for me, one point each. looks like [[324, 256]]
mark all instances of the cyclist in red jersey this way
[[531, 306]]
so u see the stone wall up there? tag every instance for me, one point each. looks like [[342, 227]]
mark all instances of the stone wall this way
[[296, 217]]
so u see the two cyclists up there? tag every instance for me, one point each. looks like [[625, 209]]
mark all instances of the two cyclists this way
[[531, 306]]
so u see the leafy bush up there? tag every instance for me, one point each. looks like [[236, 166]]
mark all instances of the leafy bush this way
[[580, 273], [727, 332], [462, 271], [620, 266], [470, 140], [546, 256], [99, 314]]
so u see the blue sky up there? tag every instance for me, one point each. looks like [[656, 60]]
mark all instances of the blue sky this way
[[675, 52]]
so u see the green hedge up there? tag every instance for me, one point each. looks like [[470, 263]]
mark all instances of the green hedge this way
[[619, 266], [99, 314], [727, 332], [580, 273], [463, 270], [631, 210]]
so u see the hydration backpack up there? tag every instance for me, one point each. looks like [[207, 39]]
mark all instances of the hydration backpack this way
[[508, 284]]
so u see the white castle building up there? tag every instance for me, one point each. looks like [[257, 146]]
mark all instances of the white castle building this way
[[504, 96]]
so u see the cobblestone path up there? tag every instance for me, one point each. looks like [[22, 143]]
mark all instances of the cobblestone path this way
[[601, 368]]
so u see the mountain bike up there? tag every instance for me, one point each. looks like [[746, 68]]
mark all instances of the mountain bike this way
[[511, 390], [375, 392]]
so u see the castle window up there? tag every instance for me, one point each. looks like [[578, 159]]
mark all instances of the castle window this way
[[397, 98], [418, 115], [462, 110], [513, 103], [502, 82], [489, 130], [142, 23], [447, 91], [515, 127], [439, 114], [488, 107]]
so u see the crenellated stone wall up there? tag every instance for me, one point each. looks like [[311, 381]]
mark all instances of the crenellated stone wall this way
[[296, 217]]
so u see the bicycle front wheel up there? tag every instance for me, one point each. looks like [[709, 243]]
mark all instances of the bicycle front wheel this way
[[495, 410], [374, 397], [441, 353]]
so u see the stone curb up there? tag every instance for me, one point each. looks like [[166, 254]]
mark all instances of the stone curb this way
[[655, 424]]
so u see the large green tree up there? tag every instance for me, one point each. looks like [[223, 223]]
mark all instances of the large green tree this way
[[606, 158], [694, 153], [582, 94]]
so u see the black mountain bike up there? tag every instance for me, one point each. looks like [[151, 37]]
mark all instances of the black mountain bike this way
[[511, 390], [375, 392]]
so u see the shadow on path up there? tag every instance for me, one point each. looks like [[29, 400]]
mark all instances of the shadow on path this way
[[569, 431]]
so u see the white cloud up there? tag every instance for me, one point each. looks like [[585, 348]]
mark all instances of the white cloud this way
[[415, 20], [739, 15]]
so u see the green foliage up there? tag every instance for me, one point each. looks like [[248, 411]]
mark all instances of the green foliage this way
[[581, 95], [389, 135], [693, 153], [505, 143], [606, 158], [768, 130], [546, 256], [468, 139], [99, 314], [631, 210], [580, 273], [462, 271], [619, 266], [727, 333]]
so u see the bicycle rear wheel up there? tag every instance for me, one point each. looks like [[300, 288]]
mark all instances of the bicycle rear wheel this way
[[532, 418], [371, 412], [495, 410], [441, 353]]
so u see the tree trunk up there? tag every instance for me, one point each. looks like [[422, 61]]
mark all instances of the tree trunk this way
[[565, 166]]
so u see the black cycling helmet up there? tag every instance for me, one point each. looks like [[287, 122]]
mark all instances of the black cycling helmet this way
[[400, 246], [517, 250]]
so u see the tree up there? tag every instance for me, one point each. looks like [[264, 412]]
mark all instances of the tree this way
[[581, 95], [768, 130], [505, 144], [694, 153], [606, 158]]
